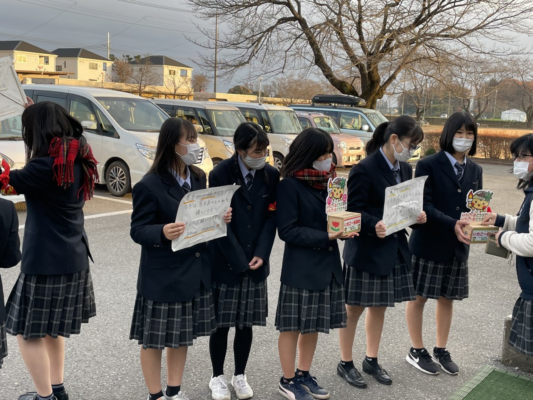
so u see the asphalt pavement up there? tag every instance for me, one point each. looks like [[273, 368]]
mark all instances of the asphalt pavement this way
[[102, 363]]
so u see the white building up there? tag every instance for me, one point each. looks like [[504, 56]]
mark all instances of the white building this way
[[28, 59], [514, 115], [83, 65], [165, 72]]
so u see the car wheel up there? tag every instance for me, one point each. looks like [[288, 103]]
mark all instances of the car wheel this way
[[278, 161], [118, 179]]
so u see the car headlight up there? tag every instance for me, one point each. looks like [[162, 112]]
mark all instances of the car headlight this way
[[147, 151], [8, 160], [343, 146], [288, 142], [229, 146]]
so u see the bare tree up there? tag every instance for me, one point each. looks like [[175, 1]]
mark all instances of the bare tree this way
[[292, 89], [179, 86], [143, 74], [377, 39], [200, 82], [524, 81], [121, 70]]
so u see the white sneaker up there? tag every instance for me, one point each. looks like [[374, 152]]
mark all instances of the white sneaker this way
[[241, 386], [179, 396], [219, 388]]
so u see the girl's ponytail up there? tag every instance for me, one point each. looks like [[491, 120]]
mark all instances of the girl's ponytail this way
[[378, 138]]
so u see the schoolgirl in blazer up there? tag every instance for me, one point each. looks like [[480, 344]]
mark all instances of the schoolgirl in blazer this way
[[174, 304], [517, 237], [377, 267], [241, 259], [440, 248], [311, 297]]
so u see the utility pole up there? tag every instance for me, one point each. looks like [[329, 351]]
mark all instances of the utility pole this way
[[449, 103], [260, 87], [108, 46], [216, 54], [495, 101]]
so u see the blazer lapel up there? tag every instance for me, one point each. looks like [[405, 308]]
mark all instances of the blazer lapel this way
[[239, 179], [174, 189], [387, 172], [448, 168], [406, 173]]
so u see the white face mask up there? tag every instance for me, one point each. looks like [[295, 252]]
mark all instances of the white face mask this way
[[255, 163], [405, 155], [193, 152], [461, 145], [324, 165], [520, 170]]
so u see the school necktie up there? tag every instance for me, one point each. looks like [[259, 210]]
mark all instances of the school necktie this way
[[395, 173], [249, 181], [460, 170], [186, 187]]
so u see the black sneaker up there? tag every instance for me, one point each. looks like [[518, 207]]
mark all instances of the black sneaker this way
[[444, 359], [32, 396], [294, 391], [422, 360]]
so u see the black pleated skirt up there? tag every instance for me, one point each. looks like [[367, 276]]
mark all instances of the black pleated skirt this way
[[433, 280], [521, 337]]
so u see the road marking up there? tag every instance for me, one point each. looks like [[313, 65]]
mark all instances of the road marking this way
[[115, 200], [95, 216]]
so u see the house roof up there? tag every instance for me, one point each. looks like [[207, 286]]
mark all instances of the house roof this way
[[161, 60], [78, 53], [20, 45]]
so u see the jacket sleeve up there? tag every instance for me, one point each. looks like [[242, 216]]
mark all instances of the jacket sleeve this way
[[359, 184], [268, 232], [519, 243], [12, 255], [228, 245], [436, 218], [36, 175], [287, 219], [144, 230]]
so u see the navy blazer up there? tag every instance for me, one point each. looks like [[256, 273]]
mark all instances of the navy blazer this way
[[164, 275], [310, 259], [444, 201], [253, 227], [9, 244], [366, 195], [55, 242]]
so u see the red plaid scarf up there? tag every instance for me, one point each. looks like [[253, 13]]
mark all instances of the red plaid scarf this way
[[64, 151], [316, 179]]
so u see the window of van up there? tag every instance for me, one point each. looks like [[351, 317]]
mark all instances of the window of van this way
[[134, 114], [62, 101], [11, 129], [284, 122], [208, 129], [305, 123], [352, 121], [226, 121], [82, 110], [250, 115], [327, 124], [376, 118]]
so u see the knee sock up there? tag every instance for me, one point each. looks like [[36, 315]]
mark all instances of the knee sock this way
[[218, 345], [242, 345]]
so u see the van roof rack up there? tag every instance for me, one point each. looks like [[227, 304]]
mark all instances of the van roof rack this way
[[341, 99]]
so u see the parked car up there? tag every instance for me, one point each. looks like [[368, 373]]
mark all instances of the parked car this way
[[12, 148], [347, 151], [280, 123], [121, 128], [215, 122], [345, 111]]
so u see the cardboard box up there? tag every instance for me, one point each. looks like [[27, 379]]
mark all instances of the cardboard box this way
[[479, 233], [493, 249], [347, 222]]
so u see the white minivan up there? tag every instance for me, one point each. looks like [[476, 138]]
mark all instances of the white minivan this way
[[12, 148], [121, 128]]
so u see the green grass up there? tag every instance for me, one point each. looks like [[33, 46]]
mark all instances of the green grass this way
[[494, 384]]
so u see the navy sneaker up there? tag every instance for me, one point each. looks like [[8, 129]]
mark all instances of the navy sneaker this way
[[293, 391], [310, 385]]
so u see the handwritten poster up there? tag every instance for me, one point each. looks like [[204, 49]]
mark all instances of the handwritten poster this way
[[12, 97], [337, 200], [202, 211], [403, 204]]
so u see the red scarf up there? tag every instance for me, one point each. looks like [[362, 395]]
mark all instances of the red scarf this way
[[316, 179], [64, 151]]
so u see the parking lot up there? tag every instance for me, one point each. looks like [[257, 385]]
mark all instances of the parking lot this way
[[103, 364]]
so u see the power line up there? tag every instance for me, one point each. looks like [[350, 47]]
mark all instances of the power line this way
[[151, 5]]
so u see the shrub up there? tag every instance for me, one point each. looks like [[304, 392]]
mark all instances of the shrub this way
[[430, 151]]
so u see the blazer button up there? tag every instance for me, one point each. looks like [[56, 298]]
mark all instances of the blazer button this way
[[197, 254], [458, 190], [248, 245], [249, 207], [249, 226], [331, 249], [395, 235], [457, 208]]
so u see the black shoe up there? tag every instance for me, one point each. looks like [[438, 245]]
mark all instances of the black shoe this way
[[422, 360], [352, 376], [378, 373], [444, 359], [32, 396], [61, 395]]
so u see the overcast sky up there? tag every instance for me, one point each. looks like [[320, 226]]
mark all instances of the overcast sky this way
[[135, 26]]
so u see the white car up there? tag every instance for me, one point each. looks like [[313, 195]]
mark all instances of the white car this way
[[12, 148], [121, 128]]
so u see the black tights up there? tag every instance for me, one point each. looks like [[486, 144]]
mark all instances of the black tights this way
[[218, 345]]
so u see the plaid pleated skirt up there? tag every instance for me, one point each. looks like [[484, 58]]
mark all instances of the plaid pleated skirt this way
[[311, 311], [370, 290], [50, 305], [241, 305], [521, 337], [173, 325], [433, 280], [3, 343]]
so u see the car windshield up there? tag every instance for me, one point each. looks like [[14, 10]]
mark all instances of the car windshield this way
[[226, 121], [284, 122], [376, 118], [11, 129], [327, 124], [134, 114]]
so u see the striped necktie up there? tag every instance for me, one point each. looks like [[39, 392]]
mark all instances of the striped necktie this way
[[250, 180], [186, 187], [460, 170]]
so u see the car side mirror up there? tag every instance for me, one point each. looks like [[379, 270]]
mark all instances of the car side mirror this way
[[199, 128], [366, 128], [90, 125]]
